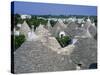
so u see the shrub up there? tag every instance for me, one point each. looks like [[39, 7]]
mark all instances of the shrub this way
[[52, 23], [18, 40], [64, 41]]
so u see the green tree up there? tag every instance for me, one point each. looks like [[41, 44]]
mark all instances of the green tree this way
[[64, 41], [18, 40]]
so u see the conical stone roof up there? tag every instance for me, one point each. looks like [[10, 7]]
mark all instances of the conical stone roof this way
[[25, 29], [92, 30], [41, 31], [59, 26], [48, 26], [71, 29]]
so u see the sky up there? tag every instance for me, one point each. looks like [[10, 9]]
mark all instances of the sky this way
[[52, 9]]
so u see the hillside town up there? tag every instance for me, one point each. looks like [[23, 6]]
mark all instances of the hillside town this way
[[70, 43]]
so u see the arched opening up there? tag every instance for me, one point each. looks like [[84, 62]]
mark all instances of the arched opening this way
[[62, 34]]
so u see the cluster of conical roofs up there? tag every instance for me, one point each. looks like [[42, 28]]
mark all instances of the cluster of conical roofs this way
[[73, 29]]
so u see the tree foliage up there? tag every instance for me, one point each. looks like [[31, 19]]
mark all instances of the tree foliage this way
[[52, 23], [64, 41], [18, 40], [35, 21]]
